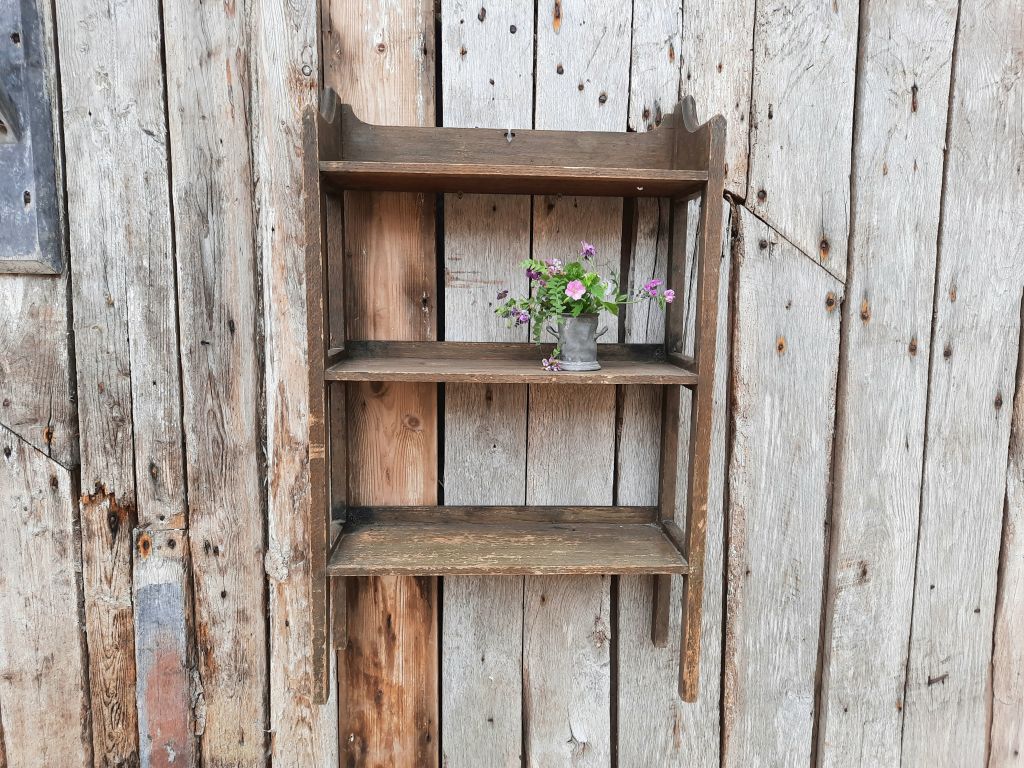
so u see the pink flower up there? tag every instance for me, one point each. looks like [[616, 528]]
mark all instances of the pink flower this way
[[670, 296], [587, 249], [651, 286], [575, 290]]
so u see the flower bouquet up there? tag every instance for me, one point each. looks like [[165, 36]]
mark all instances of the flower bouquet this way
[[572, 295]]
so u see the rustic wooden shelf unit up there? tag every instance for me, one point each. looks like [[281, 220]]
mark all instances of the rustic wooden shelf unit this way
[[679, 160]]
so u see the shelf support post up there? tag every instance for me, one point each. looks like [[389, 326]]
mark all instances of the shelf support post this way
[[710, 137]]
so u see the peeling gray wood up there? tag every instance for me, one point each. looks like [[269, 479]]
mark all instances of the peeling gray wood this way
[[582, 81], [44, 698], [717, 66], [897, 167], [784, 359], [976, 332], [487, 82], [801, 123], [221, 370], [31, 179], [125, 328]]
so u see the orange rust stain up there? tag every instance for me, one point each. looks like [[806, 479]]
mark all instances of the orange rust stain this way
[[145, 545], [556, 22], [780, 345]]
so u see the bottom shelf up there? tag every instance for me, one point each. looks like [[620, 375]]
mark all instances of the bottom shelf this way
[[465, 541]]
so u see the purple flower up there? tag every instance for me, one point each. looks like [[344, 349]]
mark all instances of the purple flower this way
[[551, 364], [533, 274], [575, 290], [651, 287], [521, 315], [587, 249], [503, 294], [554, 266], [670, 296]]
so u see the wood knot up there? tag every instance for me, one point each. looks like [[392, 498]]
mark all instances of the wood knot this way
[[830, 301], [762, 195]]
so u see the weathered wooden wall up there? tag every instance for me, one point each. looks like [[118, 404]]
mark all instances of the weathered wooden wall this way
[[864, 599]]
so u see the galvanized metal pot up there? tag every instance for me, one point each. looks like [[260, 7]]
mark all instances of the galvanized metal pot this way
[[577, 340]]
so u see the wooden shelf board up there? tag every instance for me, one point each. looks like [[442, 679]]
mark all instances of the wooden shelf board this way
[[513, 370], [511, 179], [460, 548]]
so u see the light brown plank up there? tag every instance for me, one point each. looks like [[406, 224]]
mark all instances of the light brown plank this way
[[379, 56], [784, 361], [44, 696], [220, 314], [460, 548], [897, 184], [123, 306], [973, 369]]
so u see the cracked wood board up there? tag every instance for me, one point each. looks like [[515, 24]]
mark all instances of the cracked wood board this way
[[44, 696], [974, 361], [785, 353], [487, 81], [221, 368], [883, 385], [379, 58], [582, 81]]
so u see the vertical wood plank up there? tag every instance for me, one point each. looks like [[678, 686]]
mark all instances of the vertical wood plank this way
[[162, 646], [717, 67], [207, 54], [581, 83], [285, 100], [785, 356], [125, 330], [973, 365], [486, 82], [379, 56], [903, 93], [44, 697], [801, 123], [1006, 738]]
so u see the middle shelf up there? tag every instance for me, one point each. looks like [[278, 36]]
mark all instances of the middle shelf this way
[[465, 541], [496, 363]]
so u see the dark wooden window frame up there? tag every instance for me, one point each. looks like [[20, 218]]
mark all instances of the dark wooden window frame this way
[[680, 160]]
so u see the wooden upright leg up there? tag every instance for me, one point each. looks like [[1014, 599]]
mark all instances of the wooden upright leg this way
[[668, 473]]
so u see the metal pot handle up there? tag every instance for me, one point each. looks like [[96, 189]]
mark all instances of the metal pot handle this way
[[553, 332], [601, 333]]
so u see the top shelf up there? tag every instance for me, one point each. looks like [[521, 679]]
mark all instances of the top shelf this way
[[510, 179], [671, 160]]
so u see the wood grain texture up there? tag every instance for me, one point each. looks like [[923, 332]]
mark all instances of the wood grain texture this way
[[163, 644], [1006, 739], [379, 56], [221, 350], [566, 647], [801, 123], [717, 68], [976, 333], [883, 383], [486, 81], [125, 329], [44, 699], [284, 109], [784, 361]]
